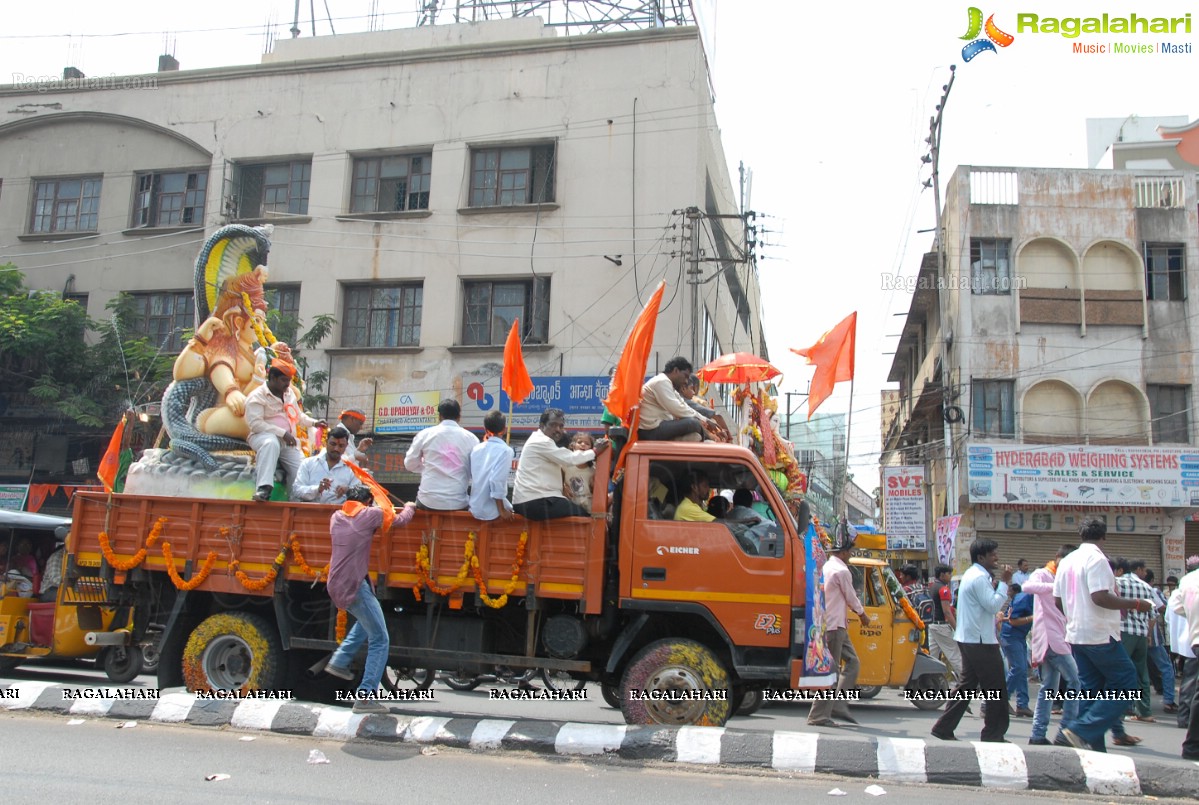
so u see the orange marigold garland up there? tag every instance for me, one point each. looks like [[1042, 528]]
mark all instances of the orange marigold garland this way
[[517, 563], [197, 579], [137, 558], [267, 579], [341, 625], [316, 573], [424, 569]]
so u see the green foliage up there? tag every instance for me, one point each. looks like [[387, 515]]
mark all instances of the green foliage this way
[[48, 354], [315, 395]]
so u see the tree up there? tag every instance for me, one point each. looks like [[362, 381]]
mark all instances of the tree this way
[[48, 354]]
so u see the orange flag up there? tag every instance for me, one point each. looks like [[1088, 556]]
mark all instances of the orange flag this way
[[515, 380], [833, 357], [111, 463], [382, 499], [630, 370]]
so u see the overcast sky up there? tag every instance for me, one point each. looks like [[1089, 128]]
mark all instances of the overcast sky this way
[[827, 103]]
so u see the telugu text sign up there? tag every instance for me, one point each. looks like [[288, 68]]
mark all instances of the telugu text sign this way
[[904, 507], [1083, 475], [581, 398]]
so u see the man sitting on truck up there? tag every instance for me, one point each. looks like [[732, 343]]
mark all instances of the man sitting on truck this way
[[272, 413], [441, 454], [352, 530], [352, 420], [490, 463], [537, 493], [325, 477], [665, 415]]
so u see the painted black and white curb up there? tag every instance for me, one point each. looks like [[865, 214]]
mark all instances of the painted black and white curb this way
[[908, 760]]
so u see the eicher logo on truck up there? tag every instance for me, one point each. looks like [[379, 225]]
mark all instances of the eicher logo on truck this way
[[687, 549]]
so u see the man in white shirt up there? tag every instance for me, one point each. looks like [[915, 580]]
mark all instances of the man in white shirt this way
[[1022, 572], [325, 477], [537, 493], [1185, 601], [272, 413], [1176, 625], [490, 463], [352, 420], [1085, 589], [979, 601], [441, 454], [665, 415]]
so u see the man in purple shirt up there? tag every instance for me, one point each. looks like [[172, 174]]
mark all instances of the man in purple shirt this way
[[352, 530], [839, 598]]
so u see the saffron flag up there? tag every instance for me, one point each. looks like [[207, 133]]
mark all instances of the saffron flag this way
[[629, 376], [833, 357], [110, 464], [380, 495], [515, 380]]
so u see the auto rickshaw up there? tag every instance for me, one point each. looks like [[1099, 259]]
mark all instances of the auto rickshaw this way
[[889, 645], [31, 629]]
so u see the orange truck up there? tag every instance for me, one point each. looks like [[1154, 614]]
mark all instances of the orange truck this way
[[682, 618]]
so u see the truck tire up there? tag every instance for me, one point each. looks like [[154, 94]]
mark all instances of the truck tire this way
[[9, 663], [397, 679], [122, 663], [233, 651], [928, 682], [561, 680], [750, 703], [676, 666]]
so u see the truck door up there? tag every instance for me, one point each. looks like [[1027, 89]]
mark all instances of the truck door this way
[[739, 572]]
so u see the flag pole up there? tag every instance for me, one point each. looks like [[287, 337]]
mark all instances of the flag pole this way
[[508, 430], [845, 480]]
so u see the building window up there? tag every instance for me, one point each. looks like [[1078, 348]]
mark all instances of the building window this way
[[504, 177], [1164, 277], [490, 308], [382, 316], [1169, 406], [162, 317], [279, 188], [391, 184], [283, 311], [170, 199], [990, 271], [66, 205], [994, 411]]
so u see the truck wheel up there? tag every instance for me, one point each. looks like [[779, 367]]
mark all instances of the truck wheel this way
[[750, 703], [397, 679], [679, 667], [122, 663], [233, 651], [869, 691], [928, 682], [611, 695], [462, 683], [561, 680], [9, 663]]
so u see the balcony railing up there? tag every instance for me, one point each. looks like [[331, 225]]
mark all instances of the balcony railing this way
[[994, 186], [1161, 192]]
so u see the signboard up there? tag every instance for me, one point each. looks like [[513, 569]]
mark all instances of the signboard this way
[[1066, 519], [904, 514], [1050, 475], [581, 398], [947, 531], [406, 412], [12, 497]]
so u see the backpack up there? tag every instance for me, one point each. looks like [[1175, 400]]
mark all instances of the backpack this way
[[922, 602]]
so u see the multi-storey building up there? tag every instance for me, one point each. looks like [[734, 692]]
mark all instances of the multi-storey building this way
[[427, 187], [1046, 369]]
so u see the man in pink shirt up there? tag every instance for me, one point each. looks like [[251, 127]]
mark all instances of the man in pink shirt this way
[[1050, 651], [839, 598]]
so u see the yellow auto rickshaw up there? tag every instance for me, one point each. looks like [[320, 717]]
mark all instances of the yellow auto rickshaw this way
[[31, 628], [889, 644]]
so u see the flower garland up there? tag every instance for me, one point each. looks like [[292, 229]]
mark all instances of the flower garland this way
[[265, 336], [196, 580], [316, 573], [424, 569], [137, 558], [510, 587], [267, 579], [340, 634]]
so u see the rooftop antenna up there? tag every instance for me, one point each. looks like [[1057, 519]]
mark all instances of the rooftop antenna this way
[[268, 33]]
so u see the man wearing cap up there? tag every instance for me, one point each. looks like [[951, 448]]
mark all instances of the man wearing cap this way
[[352, 420], [272, 413], [839, 599]]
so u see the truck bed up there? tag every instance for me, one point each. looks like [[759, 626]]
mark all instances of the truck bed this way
[[563, 559]]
